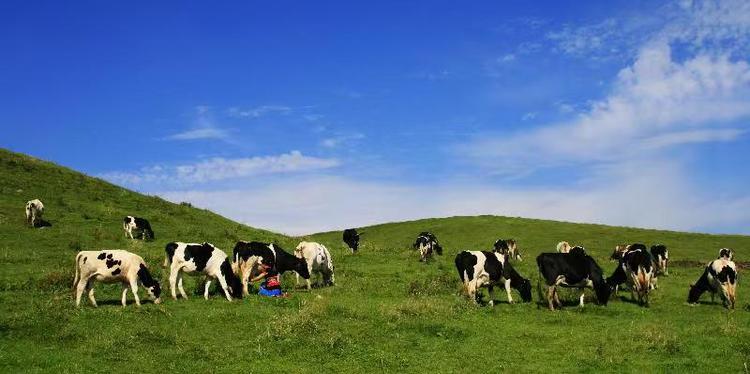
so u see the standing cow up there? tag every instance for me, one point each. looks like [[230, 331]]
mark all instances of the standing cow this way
[[479, 269], [427, 243], [139, 225], [351, 238], [34, 212], [508, 247], [194, 259], [660, 253], [719, 276], [318, 260], [575, 269], [637, 268], [112, 266], [248, 257]]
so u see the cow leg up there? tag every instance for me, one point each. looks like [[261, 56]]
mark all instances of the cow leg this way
[[173, 281], [205, 292], [491, 292], [224, 286], [471, 290], [80, 287], [90, 288], [124, 294], [245, 279], [507, 290], [551, 297], [583, 296], [556, 298], [179, 285], [134, 289]]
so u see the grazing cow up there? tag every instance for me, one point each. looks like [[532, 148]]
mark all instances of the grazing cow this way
[[563, 247], [111, 266], [34, 211], [661, 258], [576, 270], [508, 247], [487, 269], [318, 260], [351, 238], [720, 276], [618, 252], [247, 258], [637, 268], [727, 254], [427, 243], [139, 225], [195, 259]]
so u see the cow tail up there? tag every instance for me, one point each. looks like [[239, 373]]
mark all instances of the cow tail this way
[[75, 277]]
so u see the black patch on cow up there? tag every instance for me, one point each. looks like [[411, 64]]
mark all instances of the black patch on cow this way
[[465, 263], [169, 249], [102, 255], [233, 282], [116, 271], [126, 220], [109, 256], [84, 259], [199, 254], [659, 250]]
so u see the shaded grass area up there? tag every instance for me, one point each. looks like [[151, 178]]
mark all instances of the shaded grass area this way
[[388, 312]]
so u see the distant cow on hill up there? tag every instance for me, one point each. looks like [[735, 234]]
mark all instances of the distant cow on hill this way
[[351, 238], [139, 225], [427, 243], [113, 266], [34, 212], [508, 247], [720, 276], [488, 269]]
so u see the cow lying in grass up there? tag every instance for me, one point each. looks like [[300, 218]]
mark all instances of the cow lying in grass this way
[[318, 260], [247, 258], [113, 266], [479, 269], [204, 258], [720, 276]]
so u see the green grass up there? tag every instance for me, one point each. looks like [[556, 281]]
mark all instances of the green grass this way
[[388, 312]]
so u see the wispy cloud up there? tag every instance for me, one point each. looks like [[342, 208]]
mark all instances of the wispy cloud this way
[[337, 141], [658, 101], [217, 169], [259, 111], [204, 127]]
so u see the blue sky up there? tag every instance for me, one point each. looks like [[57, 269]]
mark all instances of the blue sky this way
[[309, 116]]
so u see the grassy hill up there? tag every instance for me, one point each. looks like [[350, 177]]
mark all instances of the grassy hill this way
[[388, 312]]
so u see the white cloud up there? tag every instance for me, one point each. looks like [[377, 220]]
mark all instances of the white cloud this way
[[200, 133], [337, 141], [259, 111], [528, 116], [650, 194], [217, 169]]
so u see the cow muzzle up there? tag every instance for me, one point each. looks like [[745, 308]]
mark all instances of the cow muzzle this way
[[157, 300]]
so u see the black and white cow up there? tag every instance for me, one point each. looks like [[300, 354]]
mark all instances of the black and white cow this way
[[200, 258], [507, 247], [574, 269], [660, 253], [427, 243], [113, 266], [637, 268], [247, 258], [351, 238], [318, 260], [487, 269], [719, 276], [618, 252], [139, 225], [726, 253], [34, 212]]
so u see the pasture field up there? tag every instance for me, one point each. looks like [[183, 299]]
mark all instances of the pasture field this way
[[387, 313]]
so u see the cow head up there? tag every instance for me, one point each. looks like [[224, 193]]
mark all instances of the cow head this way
[[602, 291], [300, 267], [618, 252], [152, 285], [524, 288], [578, 250], [694, 294]]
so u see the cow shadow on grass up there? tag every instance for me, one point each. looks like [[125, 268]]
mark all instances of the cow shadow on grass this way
[[42, 224]]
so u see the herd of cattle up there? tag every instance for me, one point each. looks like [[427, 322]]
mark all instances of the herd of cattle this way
[[569, 267]]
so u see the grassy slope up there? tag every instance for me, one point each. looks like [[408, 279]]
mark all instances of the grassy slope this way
[[388, 311]]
